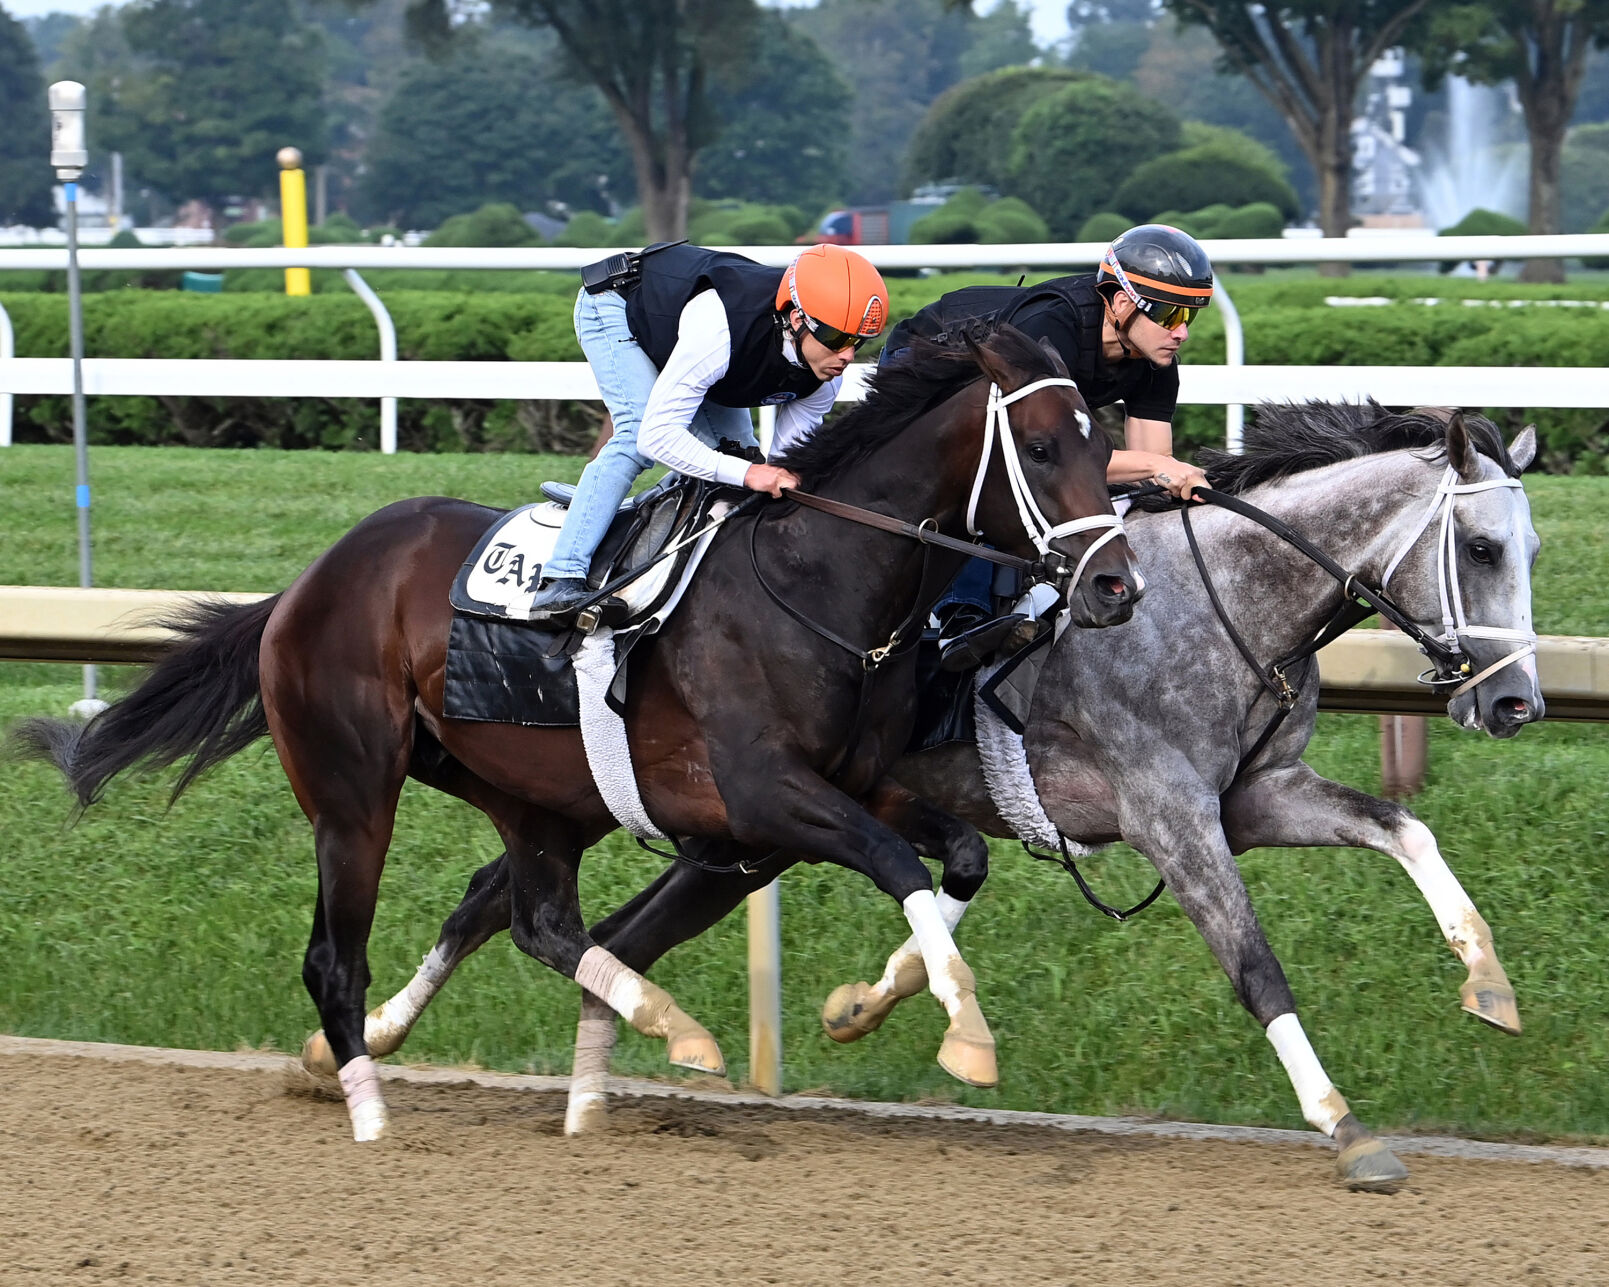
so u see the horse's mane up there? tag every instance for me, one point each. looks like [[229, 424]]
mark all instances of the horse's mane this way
[[1293, 437], [902, 391]]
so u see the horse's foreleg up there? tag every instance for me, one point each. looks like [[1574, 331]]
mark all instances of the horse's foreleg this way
[[1294, 806], [1185, 842], [483, 912], [801, 813], [856, 1009], [546, 924], [681, 904]]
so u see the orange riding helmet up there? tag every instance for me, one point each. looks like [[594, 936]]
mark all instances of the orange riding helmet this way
[[841, 295]]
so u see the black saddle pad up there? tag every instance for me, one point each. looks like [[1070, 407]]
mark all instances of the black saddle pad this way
[[510, 672]]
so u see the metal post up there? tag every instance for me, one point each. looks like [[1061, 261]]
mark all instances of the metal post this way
[[1234, 355], [388, 353], [765, 990], [293, 216], [69, 157], [767, 427], [8, 350]]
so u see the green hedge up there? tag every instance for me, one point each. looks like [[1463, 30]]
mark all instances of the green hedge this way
[[1286, 322]]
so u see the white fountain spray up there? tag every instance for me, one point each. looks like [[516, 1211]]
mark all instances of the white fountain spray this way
[[1468, 169]]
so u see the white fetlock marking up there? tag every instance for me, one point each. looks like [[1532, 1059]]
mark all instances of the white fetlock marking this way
[[607, 978], [360, 1083], [1322, 1104], [1461, 925], [388, 1025], [937, 946]]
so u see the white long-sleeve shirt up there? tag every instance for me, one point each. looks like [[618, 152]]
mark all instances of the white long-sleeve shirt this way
[[701, 357]]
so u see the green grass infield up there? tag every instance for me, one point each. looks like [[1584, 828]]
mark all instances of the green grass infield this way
[[186, 926]]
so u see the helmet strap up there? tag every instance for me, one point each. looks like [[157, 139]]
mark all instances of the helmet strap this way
[[1121, 329]]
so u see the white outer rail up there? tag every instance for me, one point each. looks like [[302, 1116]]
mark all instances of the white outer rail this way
[[1466, 386], [8, 351], [1406, 248]]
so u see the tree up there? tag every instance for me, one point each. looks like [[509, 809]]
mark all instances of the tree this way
[[1205, 175], [966, 134], [1541, 45], [25, 141], [1308, 57], [898, 55], [653, 61], [1584, 177], [771, 146], [1073, 148], [487, 123], [216, 89]]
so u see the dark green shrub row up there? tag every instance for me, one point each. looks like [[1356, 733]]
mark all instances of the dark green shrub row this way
[[1285, 323]]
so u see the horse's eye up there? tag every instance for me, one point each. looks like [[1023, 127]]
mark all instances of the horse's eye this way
[[1481, 552], [1038, 451]]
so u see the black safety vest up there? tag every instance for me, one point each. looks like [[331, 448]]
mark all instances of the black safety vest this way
[[1067, 312], [758, 372]]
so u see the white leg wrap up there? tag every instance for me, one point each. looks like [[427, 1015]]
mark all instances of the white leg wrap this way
[[937, 946], [951, 910], [386, 1028], [1464, 928], [602, 974], [360, 1083], [594, 1044], [1322, 1104]]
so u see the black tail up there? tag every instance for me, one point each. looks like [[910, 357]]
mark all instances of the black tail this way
[[200, 700]]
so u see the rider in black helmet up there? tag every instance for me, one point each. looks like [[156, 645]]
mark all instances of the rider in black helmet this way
[[1119, 330]]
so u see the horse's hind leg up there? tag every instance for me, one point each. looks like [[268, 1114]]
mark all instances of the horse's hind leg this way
[[483, 913], [1184, 840], [1293, 806], [855, 1009]]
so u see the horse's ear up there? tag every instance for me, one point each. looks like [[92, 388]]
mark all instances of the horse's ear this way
[[1522, 451], [990, 362], [1056, 363], [1461, 453]]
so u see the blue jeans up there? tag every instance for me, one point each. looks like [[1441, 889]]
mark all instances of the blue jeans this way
[[625, 376]]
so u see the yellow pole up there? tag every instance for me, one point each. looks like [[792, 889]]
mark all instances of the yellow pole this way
[[293, 214]]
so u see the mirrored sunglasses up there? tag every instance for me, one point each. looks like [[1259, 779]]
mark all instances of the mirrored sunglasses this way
[[1169, 316], [832, 338]]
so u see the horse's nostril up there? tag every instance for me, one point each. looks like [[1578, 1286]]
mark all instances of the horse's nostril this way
[[1113, 587], [1513, 708]]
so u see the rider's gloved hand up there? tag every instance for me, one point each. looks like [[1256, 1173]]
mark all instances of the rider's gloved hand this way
[[769, 478]]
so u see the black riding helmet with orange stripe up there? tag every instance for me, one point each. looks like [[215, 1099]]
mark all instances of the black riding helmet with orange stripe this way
[[1163, 270]]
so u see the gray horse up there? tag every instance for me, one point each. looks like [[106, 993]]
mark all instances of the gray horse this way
[[1139, 733]]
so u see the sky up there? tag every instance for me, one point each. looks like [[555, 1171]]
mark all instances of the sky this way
[[1049, 17]]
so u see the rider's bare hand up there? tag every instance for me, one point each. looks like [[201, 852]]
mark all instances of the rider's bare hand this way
[[1178, 476], [769, 478]]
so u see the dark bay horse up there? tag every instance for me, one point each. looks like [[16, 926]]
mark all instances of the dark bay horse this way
[[737, 718], [1137, 733]]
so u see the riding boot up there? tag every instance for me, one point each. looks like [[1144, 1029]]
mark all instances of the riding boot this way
[[559, 597]]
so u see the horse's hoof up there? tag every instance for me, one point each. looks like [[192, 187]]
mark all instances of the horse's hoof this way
[[852, 1012], [586, 1114], [1492, 1001], [369, 1122], [317, 1057], [970, 1059], [696, 1049], [1371, 1167]]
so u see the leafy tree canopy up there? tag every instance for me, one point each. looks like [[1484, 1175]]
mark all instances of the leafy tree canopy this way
[[25, 174], [489, 122], [965, 135], [214, 89], [1196, 177], [1075, 146], [772, 146]]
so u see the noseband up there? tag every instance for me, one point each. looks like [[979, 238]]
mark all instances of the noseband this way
[[1039, 529], [1455, 629]]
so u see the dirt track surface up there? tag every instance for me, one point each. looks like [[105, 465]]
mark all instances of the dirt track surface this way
[[134, 1172]]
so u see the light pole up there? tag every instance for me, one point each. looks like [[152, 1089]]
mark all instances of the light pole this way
[[69, 157]]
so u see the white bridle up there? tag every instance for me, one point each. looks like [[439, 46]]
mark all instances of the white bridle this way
[[1454, 627], [1034, 522]]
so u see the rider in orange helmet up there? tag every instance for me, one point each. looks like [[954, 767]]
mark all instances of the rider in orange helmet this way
[[684, 341]]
